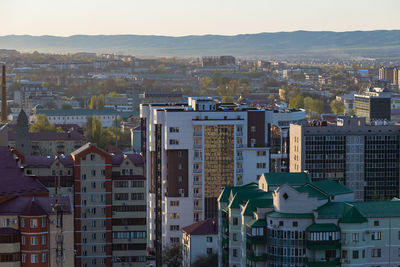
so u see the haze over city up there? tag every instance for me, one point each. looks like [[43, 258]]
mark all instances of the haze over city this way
[[180, 17]]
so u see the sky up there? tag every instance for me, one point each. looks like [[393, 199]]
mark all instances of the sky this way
[[194, 17]]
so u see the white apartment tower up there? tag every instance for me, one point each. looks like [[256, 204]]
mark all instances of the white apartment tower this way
[[194, 150]]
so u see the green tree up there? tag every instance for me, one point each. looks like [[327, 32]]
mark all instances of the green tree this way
[[337, 107], [172, 255], [42, 124], [206, 261], [296, 102], [97, 102]]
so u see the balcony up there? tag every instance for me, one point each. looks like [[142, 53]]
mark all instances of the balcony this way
[[197, 170], [323, 245], [198, 208], [239, 170], [197, 134], [196, 195], [325, 263], [197, 146], [239, 133], [256, 240], [225, 240], [197, 183], [239, 157], [197, 159], [240, 145]]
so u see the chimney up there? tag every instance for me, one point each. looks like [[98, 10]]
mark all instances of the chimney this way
[[3, 97]]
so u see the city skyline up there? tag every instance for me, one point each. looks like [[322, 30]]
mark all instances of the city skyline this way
[[179, 18]]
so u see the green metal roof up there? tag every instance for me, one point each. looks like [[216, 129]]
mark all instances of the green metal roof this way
[[257, 223], [243, 193], [332, 187], [312, 191], [224, 196], [86, 112], [276, 214], [352, 215], [290, 178], [375, 209], [323, 227], [264, 201]]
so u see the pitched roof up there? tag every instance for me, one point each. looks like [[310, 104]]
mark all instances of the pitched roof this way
[[332, 187], [292, 178], [12, 178], [38, 161], [51, 136], [264, 201], [312, 191], [8, 231], [136, 159], [352, 215], [275, 214], [32, 206], [206, 227], [257, 223]]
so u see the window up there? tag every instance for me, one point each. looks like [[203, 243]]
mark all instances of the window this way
[[93, 248], [295, 224], [93, 184], [261, 165], [180, 154], [261, 153], [253, 129], [23, 224], [376, 223], [174, 227], [174, 239], [174, 215], [174, 203], [180, 178], [137, 196], [34, 223], [174, 142], [43, 240], [376, 236], [209, 251], [23, 240], [93, 173], [43, 257], [234, 252], [93, 223], [180, 166], [23, 258], [209, 239], [174, 129], [94, 262], [355, 236], [137, 183], [234, 237], [34, 258], [92, 157], [94, 236], [93, 198], [235, 221], [376, 252], [344, 254], [34, 240], [355, 254], [280, 223], [121, 196]]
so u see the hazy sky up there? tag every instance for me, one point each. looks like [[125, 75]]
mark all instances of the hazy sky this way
[[186, 17]]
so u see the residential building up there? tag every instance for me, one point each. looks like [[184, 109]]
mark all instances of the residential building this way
[[28, 222], [192, 151], [28, 90], [287, 220], [374, 104], [109, 202], [199, 240], [136, 141], [217, 61], [347, 100], [161, 97], [80, 116], [365, 157], [120, 102], [390, 74]]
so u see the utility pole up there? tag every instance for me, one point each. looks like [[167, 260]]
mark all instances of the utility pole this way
[[59, 212]]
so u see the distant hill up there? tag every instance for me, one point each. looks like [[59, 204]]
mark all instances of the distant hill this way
[[379, 44]]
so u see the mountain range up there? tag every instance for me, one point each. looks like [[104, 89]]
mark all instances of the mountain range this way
[[352, 44]]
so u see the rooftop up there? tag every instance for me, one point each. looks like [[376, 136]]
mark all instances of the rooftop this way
[[206, 227], [292, 179]]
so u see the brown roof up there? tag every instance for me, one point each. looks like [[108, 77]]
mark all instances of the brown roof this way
[[206, 227]]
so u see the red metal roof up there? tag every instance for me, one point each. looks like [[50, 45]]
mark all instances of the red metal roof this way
[[206, 227]]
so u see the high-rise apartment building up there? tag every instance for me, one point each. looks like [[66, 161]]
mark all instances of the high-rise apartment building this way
[[287, 220], [194, 150], [109, 200], [364, 157], [374, 104], [390, 74]]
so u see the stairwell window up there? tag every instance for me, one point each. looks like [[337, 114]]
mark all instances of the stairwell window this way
[[174, 142]]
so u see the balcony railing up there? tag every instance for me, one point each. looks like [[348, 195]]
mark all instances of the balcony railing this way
[[197, 159], [198, 208], [197, 134], [323, 245], [324, 263], [239, 157], [239, 170], [197, 183], [197, 195], [239, 133], [251, 257], [197, 146], [256, 239], [197, 170]]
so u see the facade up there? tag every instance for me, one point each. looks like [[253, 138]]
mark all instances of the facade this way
[[373, 104], [199, 240], [79, 116], [282, 223], [390, 74], [109, 203], [27, 218], [364, 157], [192, 151], [29, 90], [120, 103]]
